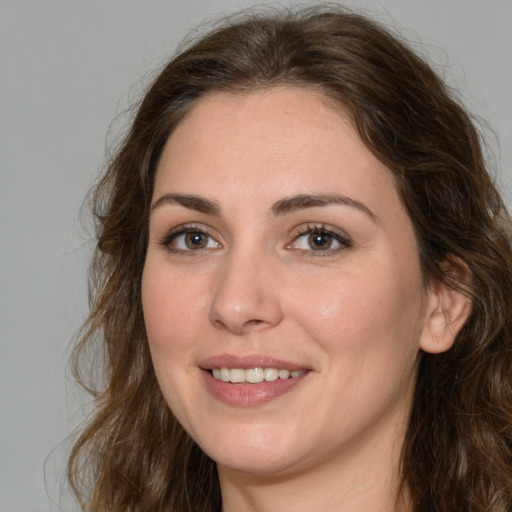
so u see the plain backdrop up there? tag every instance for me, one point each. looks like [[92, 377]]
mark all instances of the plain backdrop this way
[[68, 68]]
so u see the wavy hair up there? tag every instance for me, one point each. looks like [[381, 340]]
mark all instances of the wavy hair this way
[[457, 455]]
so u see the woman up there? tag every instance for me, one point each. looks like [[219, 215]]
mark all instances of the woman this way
[[301, 285]]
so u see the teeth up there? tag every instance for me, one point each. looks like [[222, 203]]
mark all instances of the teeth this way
[[270, 374], [254, 375], [236, 375]]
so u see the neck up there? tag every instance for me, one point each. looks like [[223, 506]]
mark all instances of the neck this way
[[364, 478]]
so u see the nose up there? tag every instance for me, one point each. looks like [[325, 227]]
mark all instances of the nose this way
[[246, 298]]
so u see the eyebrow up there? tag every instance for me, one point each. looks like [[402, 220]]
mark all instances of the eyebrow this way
[[302, 201], [281, 207], [192, 202]]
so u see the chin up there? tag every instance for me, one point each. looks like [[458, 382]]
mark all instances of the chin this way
[[256, 464], [252, 453]]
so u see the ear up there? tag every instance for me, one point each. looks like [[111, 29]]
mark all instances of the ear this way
[[447, 309]]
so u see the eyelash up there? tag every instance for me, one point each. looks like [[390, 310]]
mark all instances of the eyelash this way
[[310, 229], [171, 237]]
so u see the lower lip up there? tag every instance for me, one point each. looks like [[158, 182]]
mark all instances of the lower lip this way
[[249, 395]]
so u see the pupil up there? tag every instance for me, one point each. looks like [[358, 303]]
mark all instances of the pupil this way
[[319, 241], [195, 240]]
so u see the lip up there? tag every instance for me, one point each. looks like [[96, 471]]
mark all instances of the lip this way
[[248, 395], [246, 362]]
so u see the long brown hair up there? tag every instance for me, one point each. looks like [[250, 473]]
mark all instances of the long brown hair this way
[[457, 455]]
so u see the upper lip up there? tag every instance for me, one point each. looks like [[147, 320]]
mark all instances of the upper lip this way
[[247, 362]]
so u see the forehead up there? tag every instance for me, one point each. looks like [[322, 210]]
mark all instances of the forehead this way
[[282, 141]]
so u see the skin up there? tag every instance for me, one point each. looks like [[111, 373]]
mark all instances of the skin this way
[[355, 315]]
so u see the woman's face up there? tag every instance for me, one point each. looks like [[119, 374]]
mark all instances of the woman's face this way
[[282, 291]]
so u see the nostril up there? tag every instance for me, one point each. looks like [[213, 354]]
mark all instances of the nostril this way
[[219, 324], [240, 327], [253, 322]]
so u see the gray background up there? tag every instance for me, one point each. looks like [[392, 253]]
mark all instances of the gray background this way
[[67, 69]]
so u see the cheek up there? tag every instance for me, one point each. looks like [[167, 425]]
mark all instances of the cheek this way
[[363, 311], [172, 309], [368, 330]]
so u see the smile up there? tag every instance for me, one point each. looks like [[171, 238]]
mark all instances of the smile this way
[[254, 375]]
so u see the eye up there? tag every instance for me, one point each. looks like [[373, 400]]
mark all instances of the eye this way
[[191, 238], [319, 239]]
